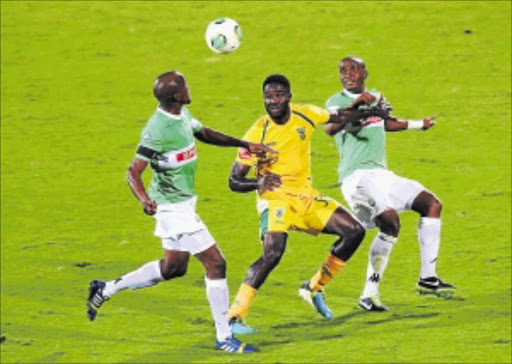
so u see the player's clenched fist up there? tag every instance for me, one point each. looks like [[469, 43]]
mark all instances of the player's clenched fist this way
[[365, 98], [149, 207], [269, 182]]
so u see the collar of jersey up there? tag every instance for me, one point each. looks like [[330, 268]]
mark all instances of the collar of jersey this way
[[169, 115], [351, 94]]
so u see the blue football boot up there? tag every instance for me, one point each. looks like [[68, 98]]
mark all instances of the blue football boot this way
[[239, 327], [315, 299], [233, 345]]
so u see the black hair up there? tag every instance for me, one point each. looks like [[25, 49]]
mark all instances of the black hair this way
[[280, 79]]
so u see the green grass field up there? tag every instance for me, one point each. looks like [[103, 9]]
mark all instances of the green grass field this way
[[76, 90]]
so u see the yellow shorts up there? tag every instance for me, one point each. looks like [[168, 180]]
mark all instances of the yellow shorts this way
[[306, 210]]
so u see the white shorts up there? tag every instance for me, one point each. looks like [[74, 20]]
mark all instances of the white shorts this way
[[369, 192], [181, 229], [193, 243], [175, 219]]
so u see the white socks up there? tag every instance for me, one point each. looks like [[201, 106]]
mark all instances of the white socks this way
[[377, 261], [146, 276], [218, 297], [429, 235], [149, 275]]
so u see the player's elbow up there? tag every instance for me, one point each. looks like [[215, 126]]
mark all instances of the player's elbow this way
[[237, 185], [233, 184], [329, 130]]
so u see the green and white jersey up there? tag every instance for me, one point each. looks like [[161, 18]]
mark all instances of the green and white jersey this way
[[360, 148], [167, 143]]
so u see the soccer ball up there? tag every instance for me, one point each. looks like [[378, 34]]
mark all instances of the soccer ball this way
[[223, 35]]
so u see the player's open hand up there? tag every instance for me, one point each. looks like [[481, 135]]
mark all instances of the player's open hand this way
[[269, 182], [260, 150], [149, 207], [429, 122]]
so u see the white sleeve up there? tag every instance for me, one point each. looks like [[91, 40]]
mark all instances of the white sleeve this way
[[195, 124]]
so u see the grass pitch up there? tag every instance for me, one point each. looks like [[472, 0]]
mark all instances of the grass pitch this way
[[76, 82]]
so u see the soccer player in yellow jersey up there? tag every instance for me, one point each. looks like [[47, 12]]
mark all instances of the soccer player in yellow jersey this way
[[286, 199]]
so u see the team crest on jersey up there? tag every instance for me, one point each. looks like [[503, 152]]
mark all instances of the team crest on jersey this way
[[279, 213], [302, 133]]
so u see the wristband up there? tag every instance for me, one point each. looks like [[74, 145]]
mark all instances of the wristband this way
[[415, 125]]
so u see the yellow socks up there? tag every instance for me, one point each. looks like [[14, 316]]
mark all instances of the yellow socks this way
[[243, 300], [330, 267]]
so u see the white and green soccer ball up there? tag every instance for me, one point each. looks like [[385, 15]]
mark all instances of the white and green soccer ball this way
[[223, 35]]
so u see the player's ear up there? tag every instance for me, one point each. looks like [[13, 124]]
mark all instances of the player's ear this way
[[176, 97], [290, 96], [365, 73]]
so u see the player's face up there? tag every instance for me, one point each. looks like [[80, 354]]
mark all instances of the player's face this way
[[352, 75], [277, 100]]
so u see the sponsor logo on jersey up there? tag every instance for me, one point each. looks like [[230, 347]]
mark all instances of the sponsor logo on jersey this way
[[177, 158], [186, 155]]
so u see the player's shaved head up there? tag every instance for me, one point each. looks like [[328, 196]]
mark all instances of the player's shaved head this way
[[354, 59], [167, 85]]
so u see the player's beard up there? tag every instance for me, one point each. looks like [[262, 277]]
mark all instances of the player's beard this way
[[282, 110]]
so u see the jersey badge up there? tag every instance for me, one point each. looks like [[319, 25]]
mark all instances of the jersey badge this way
[[302, 133]]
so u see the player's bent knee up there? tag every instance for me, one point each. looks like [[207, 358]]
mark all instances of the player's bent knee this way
[[169, 272], [217, 269], [356, 234], [388, 223], [344, 249], [392, 228], [359, 233], [435, 208]]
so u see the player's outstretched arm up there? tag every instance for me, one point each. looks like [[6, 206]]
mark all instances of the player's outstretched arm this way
[[239, 182], [399, 125], [351, 116], [210, 136], [134, 180]]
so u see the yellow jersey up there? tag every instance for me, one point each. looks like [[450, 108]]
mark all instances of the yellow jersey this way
[[291, 140]]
